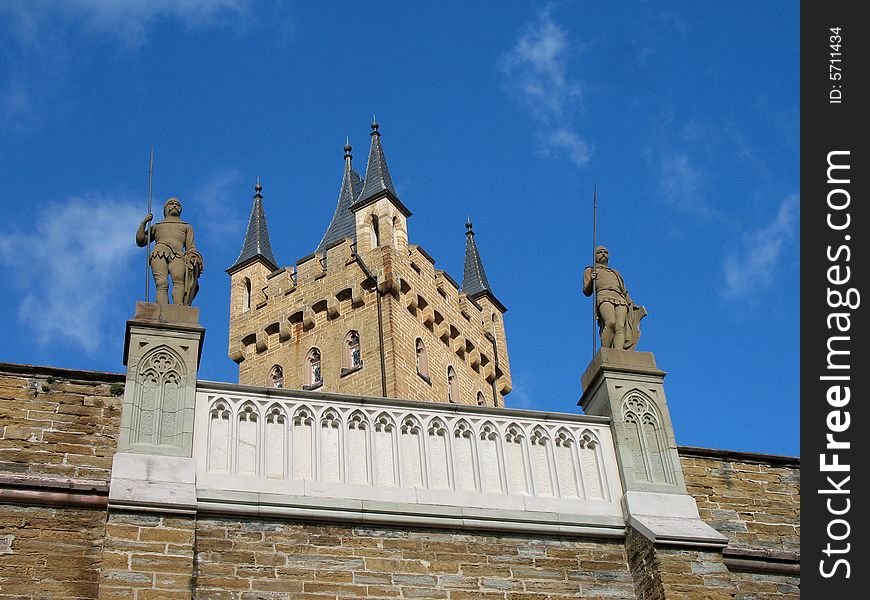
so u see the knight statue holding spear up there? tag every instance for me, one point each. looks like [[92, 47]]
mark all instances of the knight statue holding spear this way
[[618, 316], [174, 255]]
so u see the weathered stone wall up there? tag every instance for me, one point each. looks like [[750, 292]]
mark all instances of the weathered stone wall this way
[[147, 557], [246, 559], [671, 573], [58, 432], [50, 552], [752, 499], [58, 423]]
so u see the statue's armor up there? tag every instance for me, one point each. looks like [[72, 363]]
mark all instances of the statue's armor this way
[[165, 251], [610, 287]]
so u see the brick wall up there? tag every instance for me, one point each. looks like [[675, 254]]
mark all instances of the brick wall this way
[[752, 499], [50, 552], [246, 559], [58, 432], [147, 557], [58, 423]]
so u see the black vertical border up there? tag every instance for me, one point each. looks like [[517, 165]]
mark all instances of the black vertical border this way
[[827, 127]]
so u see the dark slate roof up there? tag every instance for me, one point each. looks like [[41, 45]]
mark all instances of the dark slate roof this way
[[474, 281], [343, 222], [378, 178], [256, 243]]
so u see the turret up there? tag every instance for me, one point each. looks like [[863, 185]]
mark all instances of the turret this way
[[343, 224], [381, 218], [250, 270], [476, 286]]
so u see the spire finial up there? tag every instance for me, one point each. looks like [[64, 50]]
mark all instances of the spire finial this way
[[375, 125], [347, 147], [258, 188], [469, 225]]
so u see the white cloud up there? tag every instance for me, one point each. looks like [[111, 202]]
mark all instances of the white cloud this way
[[41, 43], [566, 142], [519, 396], [536, 75], [127, 21], [681, 184], [74, 265], [753, 267], [211, 199]]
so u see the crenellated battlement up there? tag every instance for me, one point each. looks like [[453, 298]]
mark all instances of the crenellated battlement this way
[[312, 303]]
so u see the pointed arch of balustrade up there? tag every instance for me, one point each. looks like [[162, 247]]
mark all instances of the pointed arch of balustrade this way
[[385, 455], [359, 463], [490, 458], [567, 463], [516, 460], [302, 443], [247, 450], [540, 455], [219, 426], [411, 450], [592, 465], [438, 448], [464, 457], [275, 442], [329, 447]]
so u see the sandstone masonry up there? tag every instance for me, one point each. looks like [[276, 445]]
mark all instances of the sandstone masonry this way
[[57, 539]]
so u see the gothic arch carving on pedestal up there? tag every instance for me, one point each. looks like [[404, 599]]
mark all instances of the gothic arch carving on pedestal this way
[[158, 408], [643, 424]]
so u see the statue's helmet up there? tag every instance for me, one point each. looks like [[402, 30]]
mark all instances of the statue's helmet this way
[[599, 250], [170, 202]]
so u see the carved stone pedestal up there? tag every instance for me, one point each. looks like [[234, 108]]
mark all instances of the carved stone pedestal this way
[[628, 388], [161, 352], [152, 493], [154, 468]]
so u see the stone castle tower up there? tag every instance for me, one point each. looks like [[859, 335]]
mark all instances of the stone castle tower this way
[[367, 312]]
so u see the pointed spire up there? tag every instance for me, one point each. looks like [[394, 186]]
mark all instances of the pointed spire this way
[[343, 222], [256, 244], [474, 281], [378, 182]]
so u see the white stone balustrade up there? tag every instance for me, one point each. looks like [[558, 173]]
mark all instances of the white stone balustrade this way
[[317, 455]]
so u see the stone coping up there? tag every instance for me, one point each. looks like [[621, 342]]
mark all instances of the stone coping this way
[[739, 455], [54, 483], [253, 390], [259, 504], [65, 373]]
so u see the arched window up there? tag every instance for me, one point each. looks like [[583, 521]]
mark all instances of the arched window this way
[[422, 361], [246, 295], [452, 386], [313, 372], [353, 349], [352, 359], [276, 377], [376, 234], [481, 399]]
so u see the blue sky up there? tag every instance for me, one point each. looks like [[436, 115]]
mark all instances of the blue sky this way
[[685, 114]]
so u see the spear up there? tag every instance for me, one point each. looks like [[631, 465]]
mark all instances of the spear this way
[[594, 242], [148, 226]]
